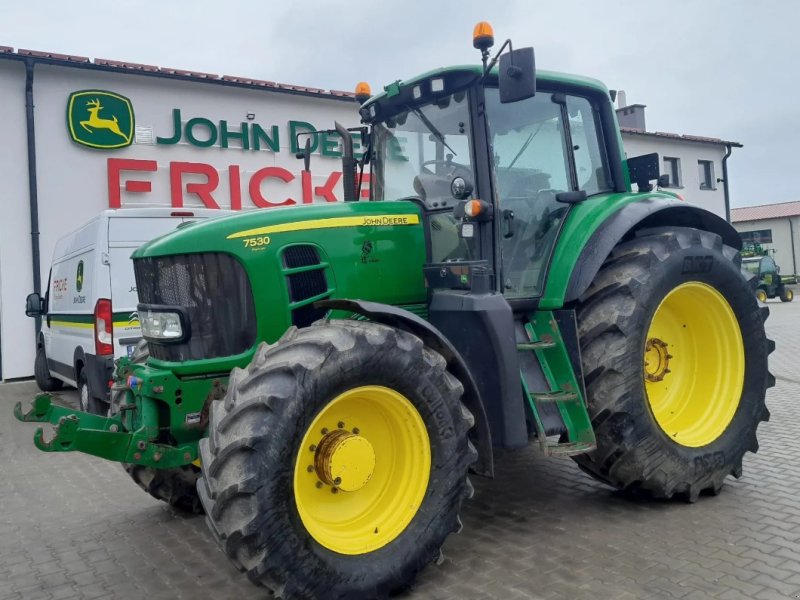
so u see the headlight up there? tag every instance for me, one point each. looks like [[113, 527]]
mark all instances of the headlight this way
[[166, 326]]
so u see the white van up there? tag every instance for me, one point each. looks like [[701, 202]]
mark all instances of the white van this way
[[89, 310]]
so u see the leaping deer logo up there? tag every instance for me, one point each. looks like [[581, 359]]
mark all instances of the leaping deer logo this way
[[96, 121]]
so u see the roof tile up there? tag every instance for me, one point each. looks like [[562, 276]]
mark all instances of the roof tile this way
[[125, 65], [765, 211], [681, 137]]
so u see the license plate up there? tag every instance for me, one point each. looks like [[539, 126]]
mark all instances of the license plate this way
[[131, 350]]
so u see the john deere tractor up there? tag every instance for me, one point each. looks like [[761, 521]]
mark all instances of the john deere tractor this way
[[323, 379]]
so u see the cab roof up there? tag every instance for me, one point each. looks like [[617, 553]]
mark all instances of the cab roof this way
[[542, 78]]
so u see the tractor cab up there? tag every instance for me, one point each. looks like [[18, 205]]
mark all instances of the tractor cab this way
[[495, 179]]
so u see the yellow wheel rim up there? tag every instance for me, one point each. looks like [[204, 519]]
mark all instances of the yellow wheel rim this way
[[362, 470], [694, 364], [761, 295]]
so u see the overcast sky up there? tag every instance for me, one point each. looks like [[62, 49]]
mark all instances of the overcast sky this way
[[721, 68]]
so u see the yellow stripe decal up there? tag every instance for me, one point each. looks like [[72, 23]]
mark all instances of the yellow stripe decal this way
[[71, 324], [90, 325], [366, 221]]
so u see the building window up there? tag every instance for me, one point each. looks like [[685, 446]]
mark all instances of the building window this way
[[672, 167], [706, 172], [762, 236]]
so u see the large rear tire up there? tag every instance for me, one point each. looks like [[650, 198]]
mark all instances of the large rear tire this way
[[675, 360], [336, 465], [177, 487]]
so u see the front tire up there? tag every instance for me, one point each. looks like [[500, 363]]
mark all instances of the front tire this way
[[787, 295], [355, 407], [675, 362]]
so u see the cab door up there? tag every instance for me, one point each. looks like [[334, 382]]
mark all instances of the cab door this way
[[544, 146]]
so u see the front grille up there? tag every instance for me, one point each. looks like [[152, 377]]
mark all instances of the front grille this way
[[213, 289]]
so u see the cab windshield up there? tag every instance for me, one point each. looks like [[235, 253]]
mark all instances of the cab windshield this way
[[420, 151]]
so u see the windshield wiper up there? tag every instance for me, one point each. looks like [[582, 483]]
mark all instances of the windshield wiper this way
[[525, 145], [432, 128]]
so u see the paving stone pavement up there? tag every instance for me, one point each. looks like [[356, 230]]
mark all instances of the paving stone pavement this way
[[75, 527]]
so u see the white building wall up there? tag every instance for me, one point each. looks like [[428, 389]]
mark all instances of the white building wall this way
[[781, 240], [17, 332], [688, 153], [74, 181]]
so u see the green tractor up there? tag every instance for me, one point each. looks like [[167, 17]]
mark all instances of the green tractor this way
[[770, 283], [322, 380]]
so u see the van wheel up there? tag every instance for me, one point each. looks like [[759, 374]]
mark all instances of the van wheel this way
[[88, 402], [42, 374]]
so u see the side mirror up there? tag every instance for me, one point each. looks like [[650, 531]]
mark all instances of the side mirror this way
[[34, 305], [663, 180], [517, 78]]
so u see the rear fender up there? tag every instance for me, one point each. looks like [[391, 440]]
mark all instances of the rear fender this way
[[624, 223], [433, 338]]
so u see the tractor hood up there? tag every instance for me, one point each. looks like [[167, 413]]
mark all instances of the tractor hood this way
[[235, 233], [292, 257]]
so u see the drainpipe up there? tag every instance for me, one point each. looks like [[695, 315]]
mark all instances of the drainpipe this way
[[794, 254], [32, 190], [728, 150]]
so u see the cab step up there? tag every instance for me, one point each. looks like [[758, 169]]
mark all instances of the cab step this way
[[560, 396], [537, 345], [566, 448]]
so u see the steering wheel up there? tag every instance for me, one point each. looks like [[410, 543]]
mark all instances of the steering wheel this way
[[449, 164]]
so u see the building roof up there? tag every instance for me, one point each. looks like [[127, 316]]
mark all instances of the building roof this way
[[679, 137], [103, 64], [765, 211]]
